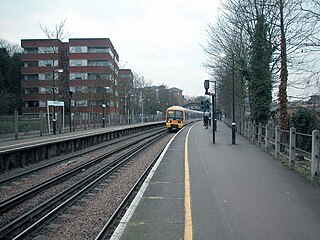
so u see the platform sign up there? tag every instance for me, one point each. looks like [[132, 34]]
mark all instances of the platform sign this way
[[55, 104]]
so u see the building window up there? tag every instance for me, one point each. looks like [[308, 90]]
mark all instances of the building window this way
[[98, 76], [42, 103], [97, 49], [98, 63], [82, 103], [80, 89], [31, 64], [77, 62], [77, 49], [45, 90], [77, 76], [47, 63], [30, 51], [32, 104], [48, 49], [48, 76], [31, 77]]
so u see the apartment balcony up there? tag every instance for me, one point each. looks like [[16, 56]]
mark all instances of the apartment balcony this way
[[91, 83], [91, 56], [90, 69], [40, 56], [36, 97], [36, 70], [33, 110], [36, 83]]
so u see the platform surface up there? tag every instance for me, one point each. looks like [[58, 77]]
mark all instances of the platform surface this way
[[237, 192]]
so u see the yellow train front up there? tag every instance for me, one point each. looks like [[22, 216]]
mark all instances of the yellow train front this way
[[177, 117]]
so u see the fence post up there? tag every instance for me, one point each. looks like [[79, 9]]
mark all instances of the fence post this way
[[73, 121], [94, 119], [259, 134], [276, 142], [292, 147], [253, 133], [248, 131], [16, 130], [315, 154], [242, 127], [85, 121], [41, 122], [245, 129], [266, 139]]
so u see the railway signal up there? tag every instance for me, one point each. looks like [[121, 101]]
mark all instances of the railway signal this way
[[207, 86]]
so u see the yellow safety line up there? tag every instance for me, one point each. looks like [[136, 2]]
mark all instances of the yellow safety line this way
[[187, 200]]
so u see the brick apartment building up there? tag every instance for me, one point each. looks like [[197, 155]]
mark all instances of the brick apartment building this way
[[90, 73], [41, 58]]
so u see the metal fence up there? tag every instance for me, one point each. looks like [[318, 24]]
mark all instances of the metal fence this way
[[295, 149], [22, 126]]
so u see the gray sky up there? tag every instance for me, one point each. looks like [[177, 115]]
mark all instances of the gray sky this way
[[159, 39]]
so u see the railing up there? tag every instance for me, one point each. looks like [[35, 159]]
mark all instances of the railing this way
[[22, 126], [295, 149]]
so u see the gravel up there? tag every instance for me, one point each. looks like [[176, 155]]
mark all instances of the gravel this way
[[96, 207]]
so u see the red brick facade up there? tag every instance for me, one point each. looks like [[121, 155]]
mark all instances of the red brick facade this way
[[90, 72]]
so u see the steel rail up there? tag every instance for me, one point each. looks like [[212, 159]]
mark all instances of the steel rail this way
[[10, 202], [126, 201], [2, 181]]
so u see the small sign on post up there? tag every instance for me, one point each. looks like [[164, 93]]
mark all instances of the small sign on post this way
[[55, 104]]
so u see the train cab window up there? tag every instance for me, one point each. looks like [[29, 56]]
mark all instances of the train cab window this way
[[175, 115]]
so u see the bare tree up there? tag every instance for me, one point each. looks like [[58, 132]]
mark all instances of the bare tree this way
[[56, 36], [11, 48], [58, 32], [282, 95], [288, 34]]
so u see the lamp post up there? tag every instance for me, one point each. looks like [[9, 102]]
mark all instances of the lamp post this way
[[103, 107], [213, 118], [70, 110], [54, 126], [213, 102], [125, 106], [103, 116], [233, 126], [141, 104]]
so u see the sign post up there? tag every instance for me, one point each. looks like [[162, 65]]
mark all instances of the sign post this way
[[54, 104]]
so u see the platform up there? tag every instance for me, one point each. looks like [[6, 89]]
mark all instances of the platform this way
[[236, 192]]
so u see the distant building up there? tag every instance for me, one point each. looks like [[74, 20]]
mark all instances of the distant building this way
[[93, 74], [90, 74], [314, 99], [176, 96]]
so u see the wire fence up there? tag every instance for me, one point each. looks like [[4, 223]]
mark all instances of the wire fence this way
[[21, 126]]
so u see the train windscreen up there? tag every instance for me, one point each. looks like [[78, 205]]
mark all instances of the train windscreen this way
[[175, 115]]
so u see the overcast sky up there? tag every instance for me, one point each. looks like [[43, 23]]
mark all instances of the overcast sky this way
[[159, 39]]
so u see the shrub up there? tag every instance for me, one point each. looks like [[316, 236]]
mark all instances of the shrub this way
[[305, 121]]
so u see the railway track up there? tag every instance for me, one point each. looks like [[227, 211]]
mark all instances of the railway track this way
[[29, 221], [77, 154]]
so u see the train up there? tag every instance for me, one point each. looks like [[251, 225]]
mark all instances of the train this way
[[177, 117]]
